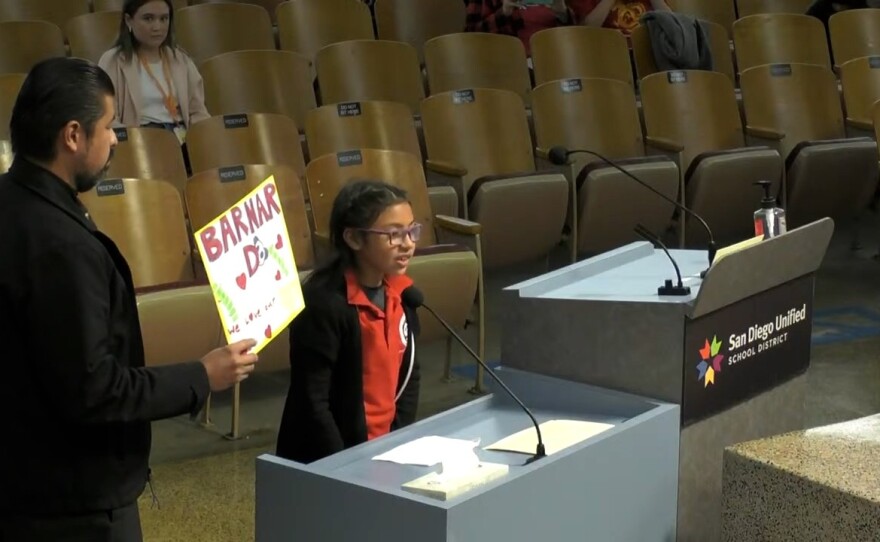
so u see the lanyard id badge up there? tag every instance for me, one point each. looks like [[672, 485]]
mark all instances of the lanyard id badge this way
[[168, 97], [180, 132]]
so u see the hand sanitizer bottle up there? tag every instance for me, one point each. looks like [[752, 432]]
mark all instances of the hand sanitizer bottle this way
[[769, 219]]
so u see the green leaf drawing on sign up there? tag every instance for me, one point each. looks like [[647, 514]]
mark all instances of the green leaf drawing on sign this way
[[279, 260], [226, 303], [716, 346]]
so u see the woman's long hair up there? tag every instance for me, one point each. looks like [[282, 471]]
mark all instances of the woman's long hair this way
[[126, 42], [358, 205]]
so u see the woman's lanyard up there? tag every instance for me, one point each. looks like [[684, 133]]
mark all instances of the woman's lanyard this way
[[168, 98]]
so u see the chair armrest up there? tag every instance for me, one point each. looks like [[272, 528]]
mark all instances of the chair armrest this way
[[543, 154], [458, 225], [860, 124], [445, 168], [764, 133], [664, 144]]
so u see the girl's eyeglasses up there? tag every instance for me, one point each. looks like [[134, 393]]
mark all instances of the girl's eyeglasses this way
[[397, 235]]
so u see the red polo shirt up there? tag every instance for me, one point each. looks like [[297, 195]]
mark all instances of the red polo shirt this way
[[384, 336]]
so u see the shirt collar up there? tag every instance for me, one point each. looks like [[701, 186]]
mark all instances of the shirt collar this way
[[394, 287], [51, 188]]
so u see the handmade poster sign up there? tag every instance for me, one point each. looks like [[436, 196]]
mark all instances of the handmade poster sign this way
[[250, 264]]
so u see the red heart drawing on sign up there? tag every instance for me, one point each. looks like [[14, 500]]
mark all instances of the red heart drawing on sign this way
[[241, 280], [279, 243], [278, 275], [268, 332]]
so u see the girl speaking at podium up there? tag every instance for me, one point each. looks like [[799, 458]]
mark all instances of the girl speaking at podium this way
[[354, 375]]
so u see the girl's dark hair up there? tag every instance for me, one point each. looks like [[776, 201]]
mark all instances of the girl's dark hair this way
[[126, 43], [358, 205]]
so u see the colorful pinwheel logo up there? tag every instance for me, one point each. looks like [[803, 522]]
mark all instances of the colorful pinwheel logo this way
[[710, 362]]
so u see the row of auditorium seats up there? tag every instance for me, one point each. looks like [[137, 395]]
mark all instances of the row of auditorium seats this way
[[474, 134], [391, 70], [385, 70], [398, 20]]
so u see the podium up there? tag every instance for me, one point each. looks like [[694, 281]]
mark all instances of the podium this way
[[733, 353], [619, 485]]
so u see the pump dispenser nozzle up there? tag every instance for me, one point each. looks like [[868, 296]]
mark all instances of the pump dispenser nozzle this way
[[769, 220]]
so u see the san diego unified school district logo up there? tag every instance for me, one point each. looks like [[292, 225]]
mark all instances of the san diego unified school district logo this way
[[710, 362]]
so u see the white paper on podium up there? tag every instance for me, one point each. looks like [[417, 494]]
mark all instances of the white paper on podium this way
[[556, 434], [429, 451]]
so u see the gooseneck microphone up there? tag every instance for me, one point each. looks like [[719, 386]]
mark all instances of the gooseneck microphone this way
[[412, 297], [558, 155], [668, 288]]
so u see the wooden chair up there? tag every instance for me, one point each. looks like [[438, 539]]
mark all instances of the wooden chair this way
[[860, 78], [417, 22], [57, 12], [478, 141], [695, 115], [116, 5], [721, 12], [449, 277], [361, 70], [372, 125], [10, 84], [746, 8], [211, 29], [777, 38], [477, 60], [256, 138], [269, 5], [601, 115], [306, 26], [570, 52], [719, 44], [146, 221], [361, 125], [148, 154], [854, 33], [92, 34], [259, 82], [826, 173], [211, 192], [25, 43]]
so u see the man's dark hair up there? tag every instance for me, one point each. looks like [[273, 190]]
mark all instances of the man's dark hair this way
[[55, 92]]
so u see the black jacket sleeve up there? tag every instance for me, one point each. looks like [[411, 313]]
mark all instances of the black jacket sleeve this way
[[408, 403], [70, 301], [315, 340]]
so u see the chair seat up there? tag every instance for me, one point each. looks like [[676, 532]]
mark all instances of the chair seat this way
[[610, 204], [165, 313], [720, 187], [834, 178]]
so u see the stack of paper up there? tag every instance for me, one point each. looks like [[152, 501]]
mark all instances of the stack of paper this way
[[429, 451]]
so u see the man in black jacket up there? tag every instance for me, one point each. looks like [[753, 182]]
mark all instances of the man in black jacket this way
[[77, 400]]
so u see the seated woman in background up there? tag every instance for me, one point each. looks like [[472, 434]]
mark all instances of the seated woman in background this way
[[518, 18], [621, 15], [157, 84], [353, 370]]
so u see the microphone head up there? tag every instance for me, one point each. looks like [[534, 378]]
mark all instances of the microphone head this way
[[412, 297], [558, 155]]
